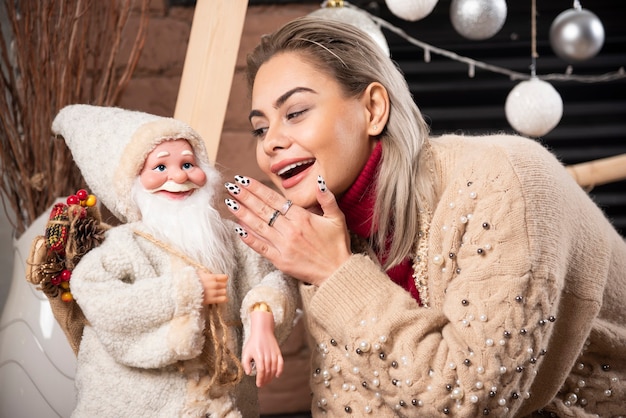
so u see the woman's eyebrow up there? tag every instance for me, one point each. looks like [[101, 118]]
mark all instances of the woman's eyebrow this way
[[281, 100]]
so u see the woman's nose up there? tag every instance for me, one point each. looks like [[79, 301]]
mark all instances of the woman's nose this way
[[275, 139]]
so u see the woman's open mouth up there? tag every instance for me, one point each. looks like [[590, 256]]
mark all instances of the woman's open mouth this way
[[295, 168]]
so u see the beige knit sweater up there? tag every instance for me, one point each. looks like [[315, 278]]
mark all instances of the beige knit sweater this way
[[526, 283]]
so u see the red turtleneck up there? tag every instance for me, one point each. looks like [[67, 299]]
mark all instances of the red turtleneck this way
[[358, 206]]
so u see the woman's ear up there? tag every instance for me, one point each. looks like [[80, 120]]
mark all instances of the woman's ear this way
[[377, 105]]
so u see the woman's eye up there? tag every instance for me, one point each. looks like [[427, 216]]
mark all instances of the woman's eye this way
[[259, 132], [295, 114]]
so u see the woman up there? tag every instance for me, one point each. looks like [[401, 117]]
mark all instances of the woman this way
[[476, 278]]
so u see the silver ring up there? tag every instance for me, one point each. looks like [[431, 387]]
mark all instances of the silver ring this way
[[285, 208], [274, 217]]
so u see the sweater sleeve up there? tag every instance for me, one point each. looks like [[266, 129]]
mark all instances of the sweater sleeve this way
[[477, 349], [146, 312]]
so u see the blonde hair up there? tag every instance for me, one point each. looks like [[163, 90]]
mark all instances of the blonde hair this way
[[403, 187]]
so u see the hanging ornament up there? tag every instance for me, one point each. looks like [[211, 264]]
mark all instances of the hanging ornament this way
[[533, 107], [355, 17], [478, 19], [576, 34], [411, 10]]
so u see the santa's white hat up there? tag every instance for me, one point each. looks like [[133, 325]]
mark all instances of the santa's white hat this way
[[110, 146]]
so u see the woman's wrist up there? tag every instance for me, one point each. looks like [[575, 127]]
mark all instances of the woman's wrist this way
[[331, 271]]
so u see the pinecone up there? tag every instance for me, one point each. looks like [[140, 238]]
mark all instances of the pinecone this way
[[86, 233]]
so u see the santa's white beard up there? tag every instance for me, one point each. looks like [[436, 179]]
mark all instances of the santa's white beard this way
[[191, 225]]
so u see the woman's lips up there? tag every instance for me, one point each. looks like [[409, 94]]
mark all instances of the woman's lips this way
[[294, 168], [292, 171], [293, 180]]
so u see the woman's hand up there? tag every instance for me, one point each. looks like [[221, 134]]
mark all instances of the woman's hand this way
[[261, 349], [214, 286], [304, 245]]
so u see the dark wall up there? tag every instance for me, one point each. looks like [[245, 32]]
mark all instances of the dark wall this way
[[593, 125]]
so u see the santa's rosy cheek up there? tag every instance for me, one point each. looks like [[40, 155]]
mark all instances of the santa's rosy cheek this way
[[151, 180]]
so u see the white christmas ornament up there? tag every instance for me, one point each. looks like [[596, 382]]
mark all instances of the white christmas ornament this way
[[576, 35], [478, 19], [357, 18], [411, 10], [533, 107]]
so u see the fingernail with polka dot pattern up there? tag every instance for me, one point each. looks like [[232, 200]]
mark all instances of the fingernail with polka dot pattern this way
[[243, 180], [233, 188], [321, 183], [232, 204]]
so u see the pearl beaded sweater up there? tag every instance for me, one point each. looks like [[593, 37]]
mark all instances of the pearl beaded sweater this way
[[526, 282]]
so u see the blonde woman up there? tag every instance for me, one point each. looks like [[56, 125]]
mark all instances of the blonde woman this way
[[453, 275]]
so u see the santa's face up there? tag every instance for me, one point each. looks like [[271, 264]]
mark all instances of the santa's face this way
[[174, 193], [171, 171]]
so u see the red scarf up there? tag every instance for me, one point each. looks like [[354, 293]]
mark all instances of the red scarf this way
[[357, 205]]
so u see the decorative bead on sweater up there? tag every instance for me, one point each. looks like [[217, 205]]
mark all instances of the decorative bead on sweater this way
[[526, 286]]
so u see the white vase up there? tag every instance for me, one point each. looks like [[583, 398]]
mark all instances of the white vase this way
[[37, 364]]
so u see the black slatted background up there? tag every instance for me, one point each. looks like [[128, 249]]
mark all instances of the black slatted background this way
[[594, 115]]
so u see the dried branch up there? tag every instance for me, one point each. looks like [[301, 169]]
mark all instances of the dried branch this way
[[57, 52]]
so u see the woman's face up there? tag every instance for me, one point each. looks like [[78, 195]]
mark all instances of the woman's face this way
[[306, 128]]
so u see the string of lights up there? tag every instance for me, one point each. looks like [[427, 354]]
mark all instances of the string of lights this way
[[472, 63]]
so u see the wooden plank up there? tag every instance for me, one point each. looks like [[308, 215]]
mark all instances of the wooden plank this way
[[209, 67], [598, 172]]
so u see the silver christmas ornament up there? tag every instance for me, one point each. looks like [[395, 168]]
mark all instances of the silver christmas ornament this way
[[357, 18], [576, 35], [533, 107], [411, 10], [478, 19]]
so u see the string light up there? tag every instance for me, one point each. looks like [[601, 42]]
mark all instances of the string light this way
[[533, 39], [472, 63]]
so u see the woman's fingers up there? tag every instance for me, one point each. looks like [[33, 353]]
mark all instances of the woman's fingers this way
[[258, 210], [255, 205], [262, 200], [302, 244], [328, 202], [272, 199]]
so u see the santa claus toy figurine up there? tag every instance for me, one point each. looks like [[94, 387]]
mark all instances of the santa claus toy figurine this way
[[171, 296]]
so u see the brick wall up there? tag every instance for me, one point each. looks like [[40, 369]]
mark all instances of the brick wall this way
[[155, 83]]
